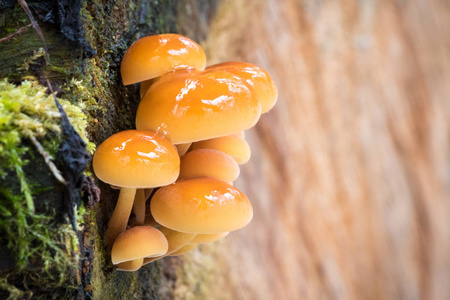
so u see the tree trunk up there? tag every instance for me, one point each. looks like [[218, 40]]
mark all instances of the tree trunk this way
[[85, 41]]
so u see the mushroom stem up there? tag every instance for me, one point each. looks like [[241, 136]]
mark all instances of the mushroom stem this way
[[176, 241], [139, 207], [119, 219], [183, 148]]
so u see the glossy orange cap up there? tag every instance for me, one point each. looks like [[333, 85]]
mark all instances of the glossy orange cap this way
[[265, 88], [154, 55], [201, 205], [208, 163], [190, 105], [137, 158], [233, 145], [138, 242]]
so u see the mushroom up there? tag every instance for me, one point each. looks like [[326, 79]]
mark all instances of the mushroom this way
[[265, 88], [154, 55], [208, 163], [201, 205], [233, 145], [136, 243], [134, 159], [190, 105]]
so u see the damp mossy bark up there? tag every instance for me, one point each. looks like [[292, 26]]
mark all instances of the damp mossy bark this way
[[84, 70]]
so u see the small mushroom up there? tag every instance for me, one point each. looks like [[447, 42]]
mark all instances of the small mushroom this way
[[137, 243], [134, 159], [154, 55], [233, 145], [201, 205], [265, 88], [208, 163]]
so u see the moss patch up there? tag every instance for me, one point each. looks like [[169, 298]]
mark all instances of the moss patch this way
[[43, 253]]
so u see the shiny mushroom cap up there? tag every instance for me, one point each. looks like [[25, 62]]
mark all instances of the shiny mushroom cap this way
[[191, 105], [154, 55], [259, 79], [233, 145], [201, 205], [138, 242], [138, 159], [208, 163]]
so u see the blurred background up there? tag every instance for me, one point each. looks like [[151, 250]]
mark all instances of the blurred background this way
[[350, 172]]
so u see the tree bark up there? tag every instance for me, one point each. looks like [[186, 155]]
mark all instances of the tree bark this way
[[86, 41]]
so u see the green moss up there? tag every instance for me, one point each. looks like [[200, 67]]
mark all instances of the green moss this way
[[44, 252]]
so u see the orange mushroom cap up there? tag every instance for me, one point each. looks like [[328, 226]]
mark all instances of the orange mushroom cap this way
[[208, 163], [233, 145], [138, 242], [259, 79], [154, 55], [201, 205], [190, 105], [137, 158]]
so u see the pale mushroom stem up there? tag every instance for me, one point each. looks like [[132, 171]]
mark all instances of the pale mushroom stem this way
[[119, 219], [183, 148], [176, 240], [139, 207]]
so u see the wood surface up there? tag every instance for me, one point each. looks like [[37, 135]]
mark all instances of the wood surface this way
[[350, 172]]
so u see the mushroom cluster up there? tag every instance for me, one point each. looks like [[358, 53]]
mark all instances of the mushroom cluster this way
[[176, 170]]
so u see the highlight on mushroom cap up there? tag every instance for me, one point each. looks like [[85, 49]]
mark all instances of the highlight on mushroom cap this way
[[201, 205], [136, 158], [138, 242], [208, 163], [191, 105], [265, 88], [154, 55], [233, 145]]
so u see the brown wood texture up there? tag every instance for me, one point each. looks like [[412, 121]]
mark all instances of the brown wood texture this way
[[350, 172]]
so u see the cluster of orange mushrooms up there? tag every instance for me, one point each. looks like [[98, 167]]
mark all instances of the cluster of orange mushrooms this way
[[184, 154]]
